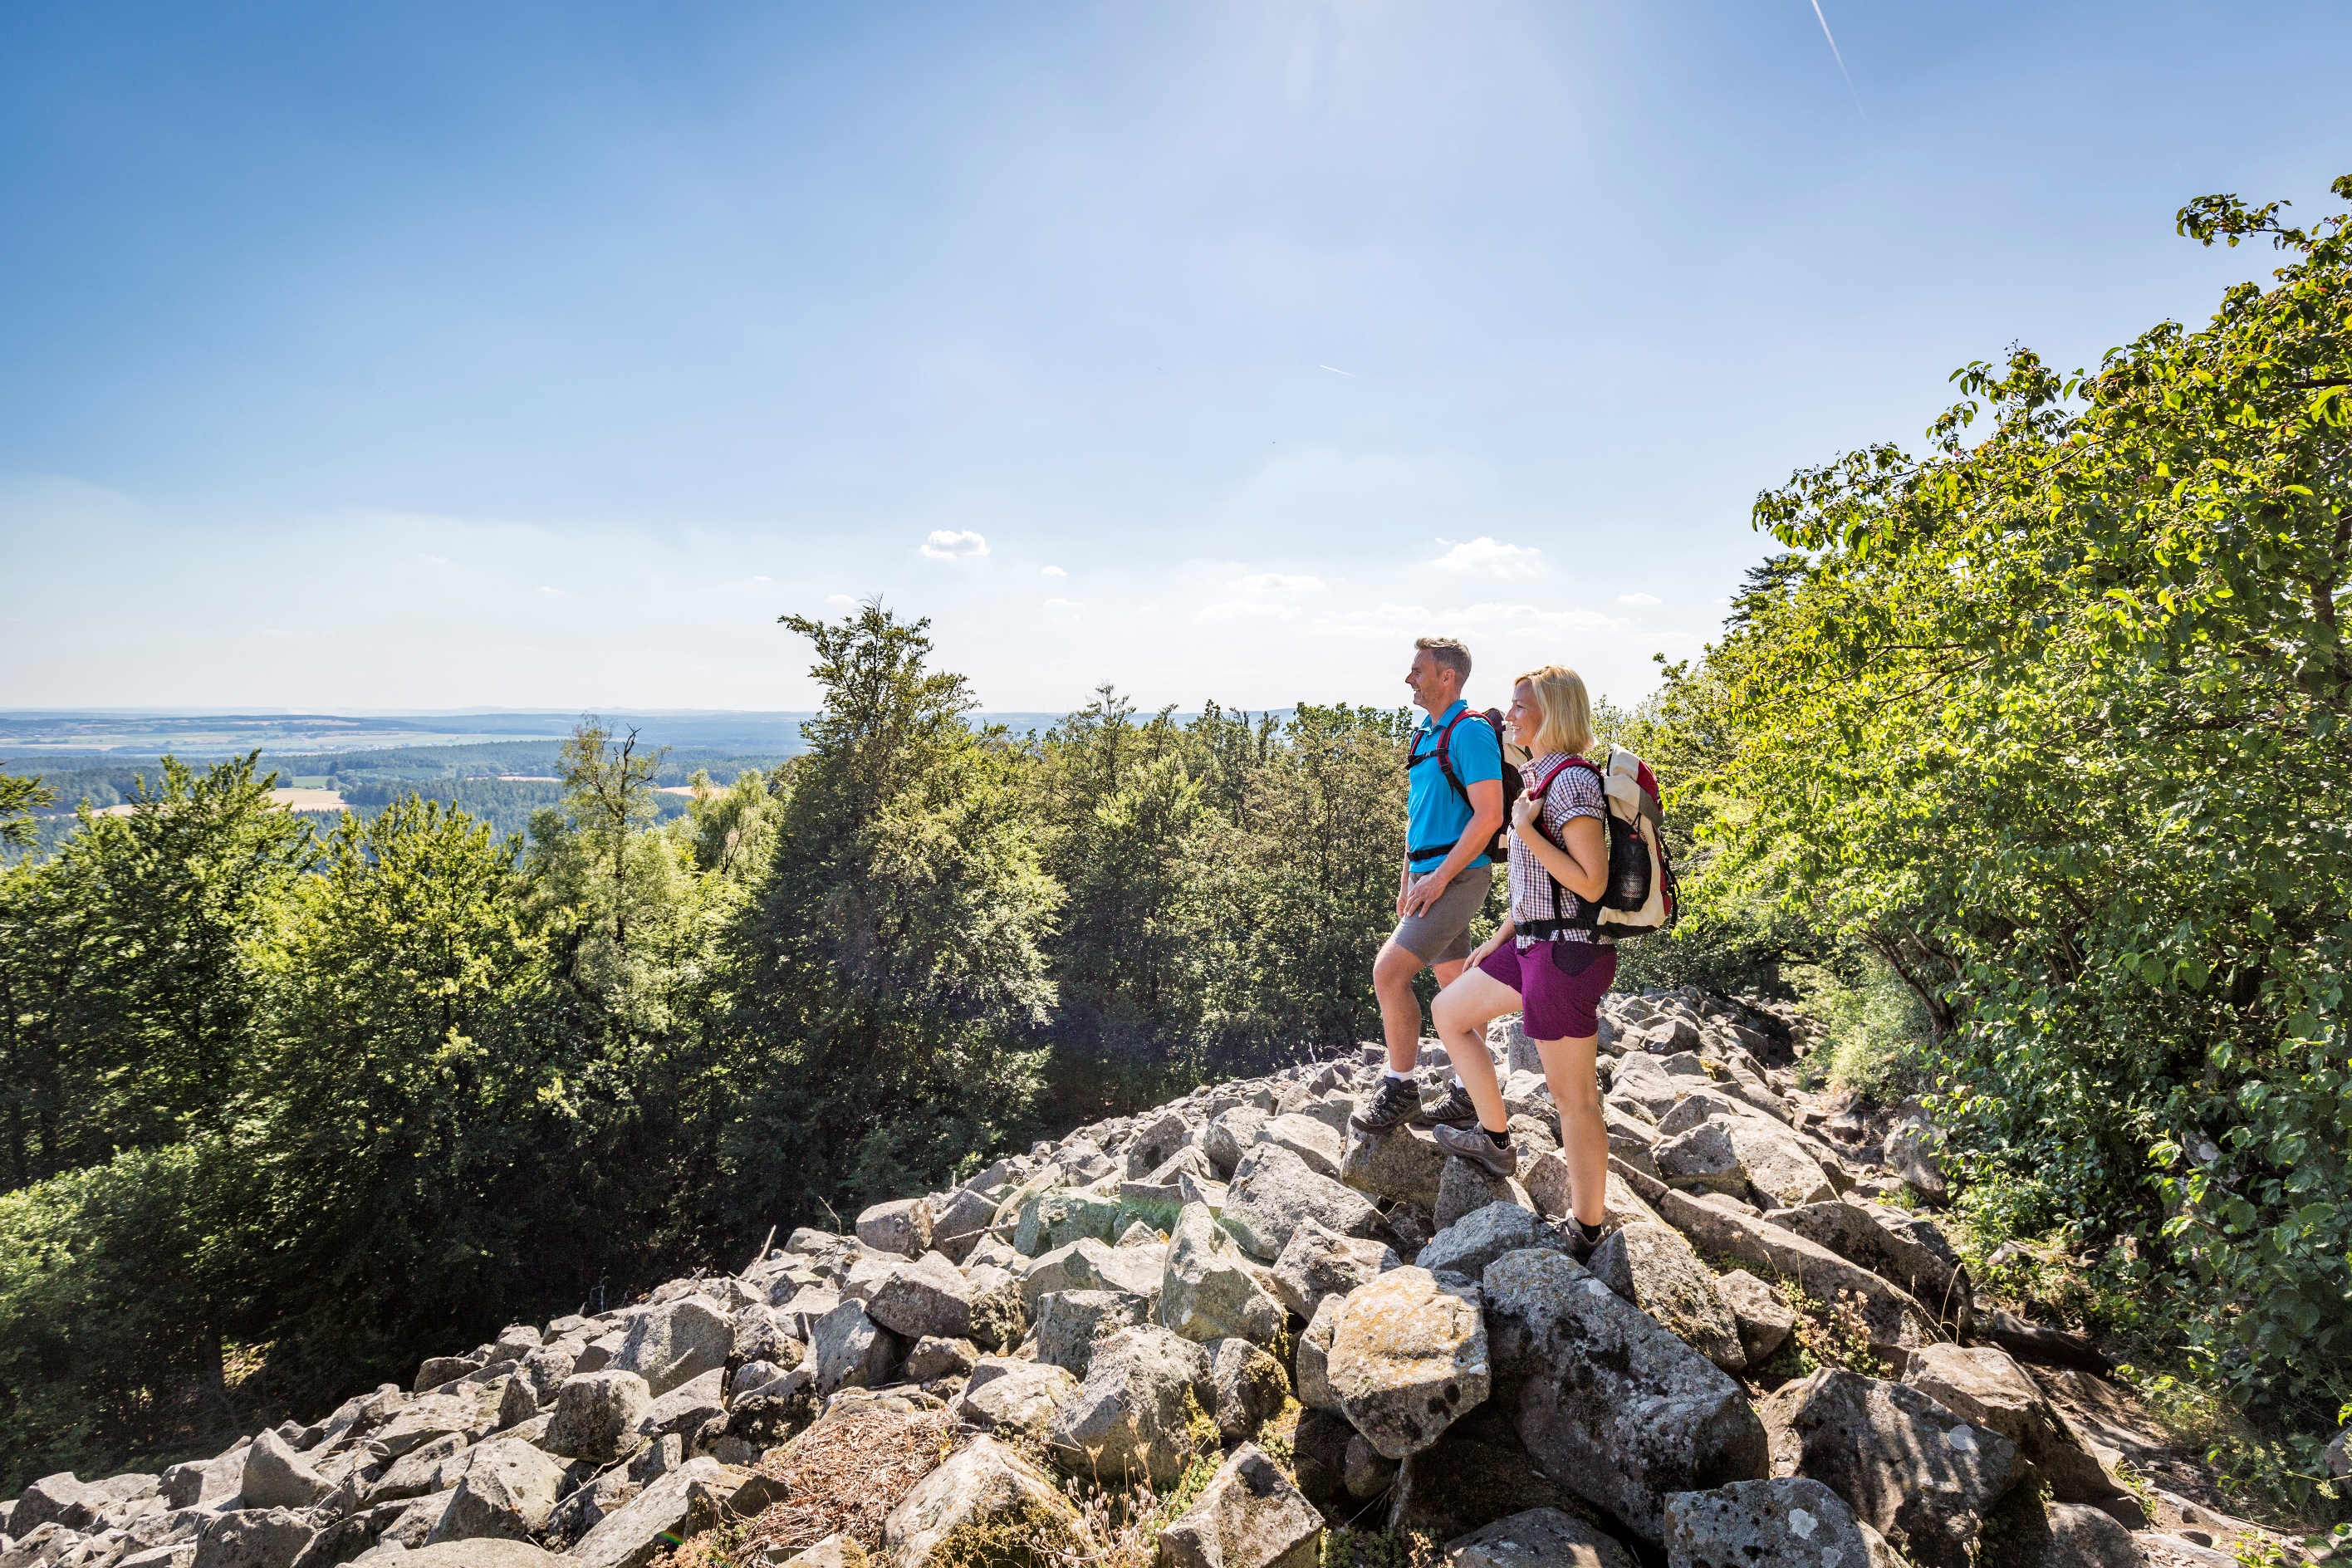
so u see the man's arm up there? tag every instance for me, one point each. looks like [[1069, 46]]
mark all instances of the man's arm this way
[[1485, 817]]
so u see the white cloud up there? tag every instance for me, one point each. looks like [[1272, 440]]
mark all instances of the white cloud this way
[[1055, 571], [756, 578], [1239, 607], [1279, 583], [1490, 555], [434, 559], [1639, 599], [1527, 620], [1385, 622], [954, 545], [839, 599], [545, 589], [274, 632], [1061, 603]]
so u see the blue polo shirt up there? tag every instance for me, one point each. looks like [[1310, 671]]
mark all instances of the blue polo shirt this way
[[1434, 813]]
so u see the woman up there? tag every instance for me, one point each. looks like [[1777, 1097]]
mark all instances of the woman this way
[[1543, 960]]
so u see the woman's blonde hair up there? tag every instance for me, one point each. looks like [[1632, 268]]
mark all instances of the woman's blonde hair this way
[[1566, 710]]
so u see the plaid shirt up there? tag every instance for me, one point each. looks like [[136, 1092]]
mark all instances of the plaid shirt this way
[[1574, 794]]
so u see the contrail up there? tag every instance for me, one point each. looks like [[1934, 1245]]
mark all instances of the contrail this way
[[1335, 370], [1825, 21]]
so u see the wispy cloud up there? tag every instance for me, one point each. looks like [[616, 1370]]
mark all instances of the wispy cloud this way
[[434, 559], [1491, 556], [1837, 56], [1639, 599], [1278, 582], [954, 545], [1053, 571], [557, 591], [1236, 609], [1061, 603], [756, 578]]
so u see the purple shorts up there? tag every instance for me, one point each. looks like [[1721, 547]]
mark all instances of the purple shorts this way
[[1559, 984]]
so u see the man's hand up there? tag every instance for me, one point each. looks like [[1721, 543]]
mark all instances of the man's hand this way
[[1423, 892]]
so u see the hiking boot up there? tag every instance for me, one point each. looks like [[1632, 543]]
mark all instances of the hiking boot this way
[[1572, 1234], [1454, 1110], [1472, 1143], [1392, 1102]]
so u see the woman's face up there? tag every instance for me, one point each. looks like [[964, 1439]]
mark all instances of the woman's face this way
[[1525, 718]]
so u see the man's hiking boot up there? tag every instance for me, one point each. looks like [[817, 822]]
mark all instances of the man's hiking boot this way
[[1471, 1143], [1454, 1110], [1395, 1099]]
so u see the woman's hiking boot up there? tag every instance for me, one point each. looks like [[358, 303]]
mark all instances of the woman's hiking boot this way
[[1391, 1103], [1472, 1143], [1454, 1110]]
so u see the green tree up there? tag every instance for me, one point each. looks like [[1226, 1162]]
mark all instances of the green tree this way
[[893, 951], [20, 796]]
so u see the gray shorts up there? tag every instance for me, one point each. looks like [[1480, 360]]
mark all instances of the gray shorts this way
[[1441, 934]]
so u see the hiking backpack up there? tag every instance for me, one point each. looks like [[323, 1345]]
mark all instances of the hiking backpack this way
[[1640, 897], [1499, 850]]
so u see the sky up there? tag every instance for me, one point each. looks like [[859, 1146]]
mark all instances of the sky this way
[[432, 356]]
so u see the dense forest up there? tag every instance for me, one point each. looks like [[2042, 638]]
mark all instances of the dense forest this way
[[2024, 761]]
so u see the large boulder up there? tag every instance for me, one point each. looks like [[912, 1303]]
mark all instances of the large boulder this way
[[76, 1504], [1088, 1263], [596, 1416], [1273, 1192], [1765, 1320], [1013, 1397], [1538, 1538], [1312, 1359], [1057, 1218], [1463, 1189], [1547, 1180], [483, 1552], [1894, 1323], [276, 1476], [1614, 1407], [508, 1491], [850, 1350], [1312, 1140], [1476, 1473], [1400, 1164], [685, 1409], [1654, 1269], [1408, 1357], [928, 1296], [1467, 1246], [1908, 1467], [959, 1219], [1157, 1142], [1129, 1419], [1000, 1313], [1908, 1250], [1701, 1159], [254, 1537], [1319, 1262], [654, 1519], [1231, 1131], [1250, 1384], [1071, 1322], [678, 1341], [985, 1504], [1206, 1292], [1789, 1519], [902, 1226], [2076, 1535], [205, 1483], [1985, 1385], [1248, 1516]]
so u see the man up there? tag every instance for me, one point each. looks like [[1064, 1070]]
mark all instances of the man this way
[[1453, 806]]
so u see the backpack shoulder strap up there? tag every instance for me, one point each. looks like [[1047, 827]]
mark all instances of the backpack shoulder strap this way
[[1542, 787], [1442, 753]]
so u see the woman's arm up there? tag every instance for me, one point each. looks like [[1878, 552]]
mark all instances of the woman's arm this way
[[1583, 865], [1503, 933]]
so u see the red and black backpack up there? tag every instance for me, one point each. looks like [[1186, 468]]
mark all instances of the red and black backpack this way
[[1421, 857], [1640, 897]]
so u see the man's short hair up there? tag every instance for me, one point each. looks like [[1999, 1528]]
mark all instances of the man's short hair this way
[[1448, 652]]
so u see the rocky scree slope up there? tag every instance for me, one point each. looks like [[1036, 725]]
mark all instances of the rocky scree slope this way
[[1277, 1323]]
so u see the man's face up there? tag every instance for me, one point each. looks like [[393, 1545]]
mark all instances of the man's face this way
[[1432, 683]]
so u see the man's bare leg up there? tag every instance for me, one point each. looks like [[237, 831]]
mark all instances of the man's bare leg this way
[[1393, 974]]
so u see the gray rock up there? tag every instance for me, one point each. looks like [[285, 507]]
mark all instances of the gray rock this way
[[676, 1342], [1783, 1170], [543, 1371], [925, 1297], [1399, 1164], [1088, 1263], [1273, 1192], [1312, 1140], [1128, 1419], [1319, 1262], [1231, 1134], [596, 1416], [518, 1402], [1701, 1160], [254, 1537], [1311, 1362], [487, 1552], [1250, 1387], [1071, 1322], [1013, 1397], [1205, 1291], [630, 1535], [1157, 1142], [1364, 1471], [1477, 1473], [761, 1334], [1467, 1246], [1140, 1232], [1613, 1408], [934, 1358], [1654, 1269], [507, 1490], [1408, 1357], [1000, 1315], [206, 1483], [1984, 1386], [959, 1220], [1765, 1320], [902, 1226], [1248, 1516], [434, 1371], [1537, 1538], [985, 1490], [1912, 1151], [1789, 1519], [1056, 1218], [1463, 1189], [1910, 1252], [685, 1408], [2076, 1535], [1908, 1467], [1319, 1452], [850, 1350]]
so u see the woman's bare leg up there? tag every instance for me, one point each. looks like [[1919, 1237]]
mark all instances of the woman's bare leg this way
[[1583, 1136], [1461, 1013]]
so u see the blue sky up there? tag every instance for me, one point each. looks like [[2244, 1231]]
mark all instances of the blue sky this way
[[375, 357]]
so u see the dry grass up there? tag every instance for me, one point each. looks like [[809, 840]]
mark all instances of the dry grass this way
[[846, 1476]]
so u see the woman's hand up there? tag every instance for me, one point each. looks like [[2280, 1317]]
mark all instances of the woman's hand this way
[[1503, 933], [1523, 812]]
